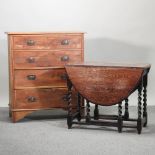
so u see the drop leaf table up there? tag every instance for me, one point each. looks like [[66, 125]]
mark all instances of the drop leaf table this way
[[107, 84]]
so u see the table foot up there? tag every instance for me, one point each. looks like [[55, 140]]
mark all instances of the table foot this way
[[88, 112], [139, 120], [96, 112], [145, 116], [69, 122], [139, 126], [69, 98], [79, 117], [126, 113], [79, 108], [120, 120]]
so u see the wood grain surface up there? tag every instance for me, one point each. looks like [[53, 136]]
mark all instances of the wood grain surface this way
[[42, 98], [32, 78], [104, 85], [42, 42], [36, 69], [26, 59]]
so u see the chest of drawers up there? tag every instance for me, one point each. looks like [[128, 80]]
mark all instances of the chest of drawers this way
[[36, 67]]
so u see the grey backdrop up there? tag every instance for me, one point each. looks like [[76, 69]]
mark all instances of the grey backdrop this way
[[122, 30]]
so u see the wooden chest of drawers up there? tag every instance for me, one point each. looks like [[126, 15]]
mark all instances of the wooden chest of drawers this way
[[37, 74]]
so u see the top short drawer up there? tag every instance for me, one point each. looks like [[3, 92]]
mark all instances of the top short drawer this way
[[45, 42]]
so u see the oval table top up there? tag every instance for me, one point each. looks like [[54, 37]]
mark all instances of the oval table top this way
[[106, 83]]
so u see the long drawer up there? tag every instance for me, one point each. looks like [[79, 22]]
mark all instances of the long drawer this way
[[42, 98], [40, 42], [35, 78], [23, 59]]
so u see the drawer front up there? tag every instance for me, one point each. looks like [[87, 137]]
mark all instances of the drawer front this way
[[42, 98], [23, 59], [40, 42], [34, 78]]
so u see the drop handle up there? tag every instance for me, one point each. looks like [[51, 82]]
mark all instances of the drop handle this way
[[65, 42], [31, 99], [30, 42], [65, 58], [31, 77], [31, 60]]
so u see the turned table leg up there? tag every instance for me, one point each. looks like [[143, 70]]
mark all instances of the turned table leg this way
[[96, 112], [79, 107], [126, 113], [120, 120], [69, 117], [145, 115], [88, 112], [139, 120]]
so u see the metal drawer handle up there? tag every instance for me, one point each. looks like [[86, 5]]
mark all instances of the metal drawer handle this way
[[65, 58], [31, 60], [65, 97], [30, 42], [31, 99], [63, 76], [65, 42], [31, 77]]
